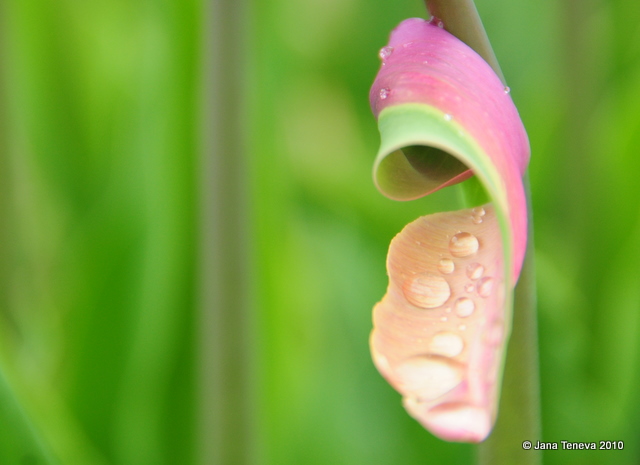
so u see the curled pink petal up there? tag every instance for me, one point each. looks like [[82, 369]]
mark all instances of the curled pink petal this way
[[440, 331], [426, 64]]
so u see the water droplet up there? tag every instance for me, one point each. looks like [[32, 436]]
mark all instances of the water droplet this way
[[443, 318], [463, 244], [428, 377], [485, 286], [469, 287], [385, 52], [475, 271], [447, 310], [476, 219], [426, 290], [408, 44], [447, 344], [462, 327], [384, 93], [507, 89], [464, 307], [448, 117], [436, 21], [478, 211], [446, 266], [425, 62]]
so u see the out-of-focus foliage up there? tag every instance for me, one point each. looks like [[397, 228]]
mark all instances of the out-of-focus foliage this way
[[98, 173]]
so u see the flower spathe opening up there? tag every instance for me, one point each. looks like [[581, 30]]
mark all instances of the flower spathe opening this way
[[415, 170]]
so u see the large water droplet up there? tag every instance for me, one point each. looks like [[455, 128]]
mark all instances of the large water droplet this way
[[447, 344], [464, 307], [446, 266], [428, 377], [385, 52], [384, 93], [485, 286], [475, 271], [463, 244], [426, 290]]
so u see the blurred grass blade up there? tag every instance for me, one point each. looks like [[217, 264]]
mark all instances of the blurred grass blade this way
[[20, 440]]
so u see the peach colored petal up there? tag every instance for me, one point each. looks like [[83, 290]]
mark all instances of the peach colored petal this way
[[439, 331]]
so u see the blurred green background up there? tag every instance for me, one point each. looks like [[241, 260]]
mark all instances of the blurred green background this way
[[100, 187]]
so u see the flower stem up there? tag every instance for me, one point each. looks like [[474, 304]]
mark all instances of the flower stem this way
[[519, 414], [227, 427], [460, 18]]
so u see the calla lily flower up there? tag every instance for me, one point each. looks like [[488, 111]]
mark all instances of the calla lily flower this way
[[441, 330]]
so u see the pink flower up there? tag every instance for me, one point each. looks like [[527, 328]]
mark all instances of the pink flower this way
[[441, 330]]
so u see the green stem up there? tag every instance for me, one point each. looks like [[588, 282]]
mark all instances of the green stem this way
[[519, 414], [227, 334], [460, 18]]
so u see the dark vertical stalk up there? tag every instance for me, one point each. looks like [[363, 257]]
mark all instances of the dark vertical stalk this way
[[461, 18], [227, 429], [519, 414]]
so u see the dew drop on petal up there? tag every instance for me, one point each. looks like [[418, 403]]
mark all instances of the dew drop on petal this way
[[428, 377], [443, 318], [426, 290], [385, 52], [448, 117], [462, 327], [507, 90], [469, 287], [464, 307], [446, 266], [476, 219], [447, 344], [384, 93], [478, 211], [475, 271], [463, 244], [485, 286]]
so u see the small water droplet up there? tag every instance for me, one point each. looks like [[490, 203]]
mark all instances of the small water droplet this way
[[425, 62], [385, 52], [463, 244], [446, 266], [464, 307], [507, 89], [408, 44], [447, 310], [462, 327], [384, 93], [447, 117], [426, 290], [469, 287], [478, 211], [428, 377], [475, 271], [476, 219], [485, 286], [443, 318], [447, 344]]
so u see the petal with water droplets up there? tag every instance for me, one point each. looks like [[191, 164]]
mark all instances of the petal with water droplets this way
[[440, 332]]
